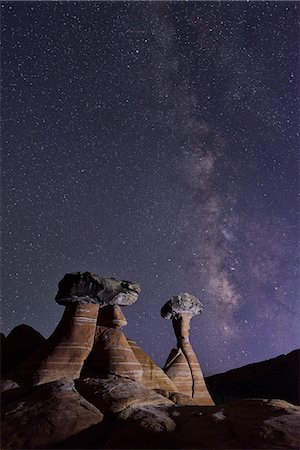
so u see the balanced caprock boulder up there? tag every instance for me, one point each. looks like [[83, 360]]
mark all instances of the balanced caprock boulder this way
[[64, 353]]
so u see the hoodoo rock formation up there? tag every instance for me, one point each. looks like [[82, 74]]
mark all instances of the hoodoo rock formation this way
[[182, 365], [88, 386], [64, 353]]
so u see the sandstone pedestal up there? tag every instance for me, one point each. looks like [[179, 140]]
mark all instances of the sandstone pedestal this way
[[111, 354], [63, 354]]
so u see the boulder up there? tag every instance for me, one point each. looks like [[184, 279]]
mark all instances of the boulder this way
[[53, 415], [91, 288], [130, 403], [113, 395]]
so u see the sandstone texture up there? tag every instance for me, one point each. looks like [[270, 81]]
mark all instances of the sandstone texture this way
[[111, 316], [63, 354], [112, 355], [49, 416], [114, 395], [153, 377], [129, 401]]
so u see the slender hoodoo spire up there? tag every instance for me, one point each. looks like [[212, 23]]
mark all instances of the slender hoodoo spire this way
[[182, 365]]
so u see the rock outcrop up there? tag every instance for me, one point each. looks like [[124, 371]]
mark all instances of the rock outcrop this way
[[64, 353], [182, 365], [130, 416]]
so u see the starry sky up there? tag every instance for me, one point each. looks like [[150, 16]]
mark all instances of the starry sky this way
[[155, 142]]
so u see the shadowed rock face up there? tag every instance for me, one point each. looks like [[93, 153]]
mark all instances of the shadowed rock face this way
[[64, 353], [182, 365], [21, 342], [275, 378]]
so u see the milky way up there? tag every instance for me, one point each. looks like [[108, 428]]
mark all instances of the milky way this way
[[155, 142]]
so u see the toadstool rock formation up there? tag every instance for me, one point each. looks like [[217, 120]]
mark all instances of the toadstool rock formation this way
[[64, 353], [182, 365]]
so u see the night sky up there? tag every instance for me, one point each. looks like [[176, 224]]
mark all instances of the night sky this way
[[155, 142]]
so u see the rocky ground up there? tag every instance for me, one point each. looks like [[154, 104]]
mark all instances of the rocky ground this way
[[124, 414], [117, 413]]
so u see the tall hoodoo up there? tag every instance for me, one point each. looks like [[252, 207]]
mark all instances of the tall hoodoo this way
[[64, 352], [182, 365]]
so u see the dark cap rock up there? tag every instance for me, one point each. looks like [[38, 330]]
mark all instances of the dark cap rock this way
[[91, 288], [183, 303]]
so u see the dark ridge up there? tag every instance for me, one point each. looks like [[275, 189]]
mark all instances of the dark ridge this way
[[274, 378], [21, 342]]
